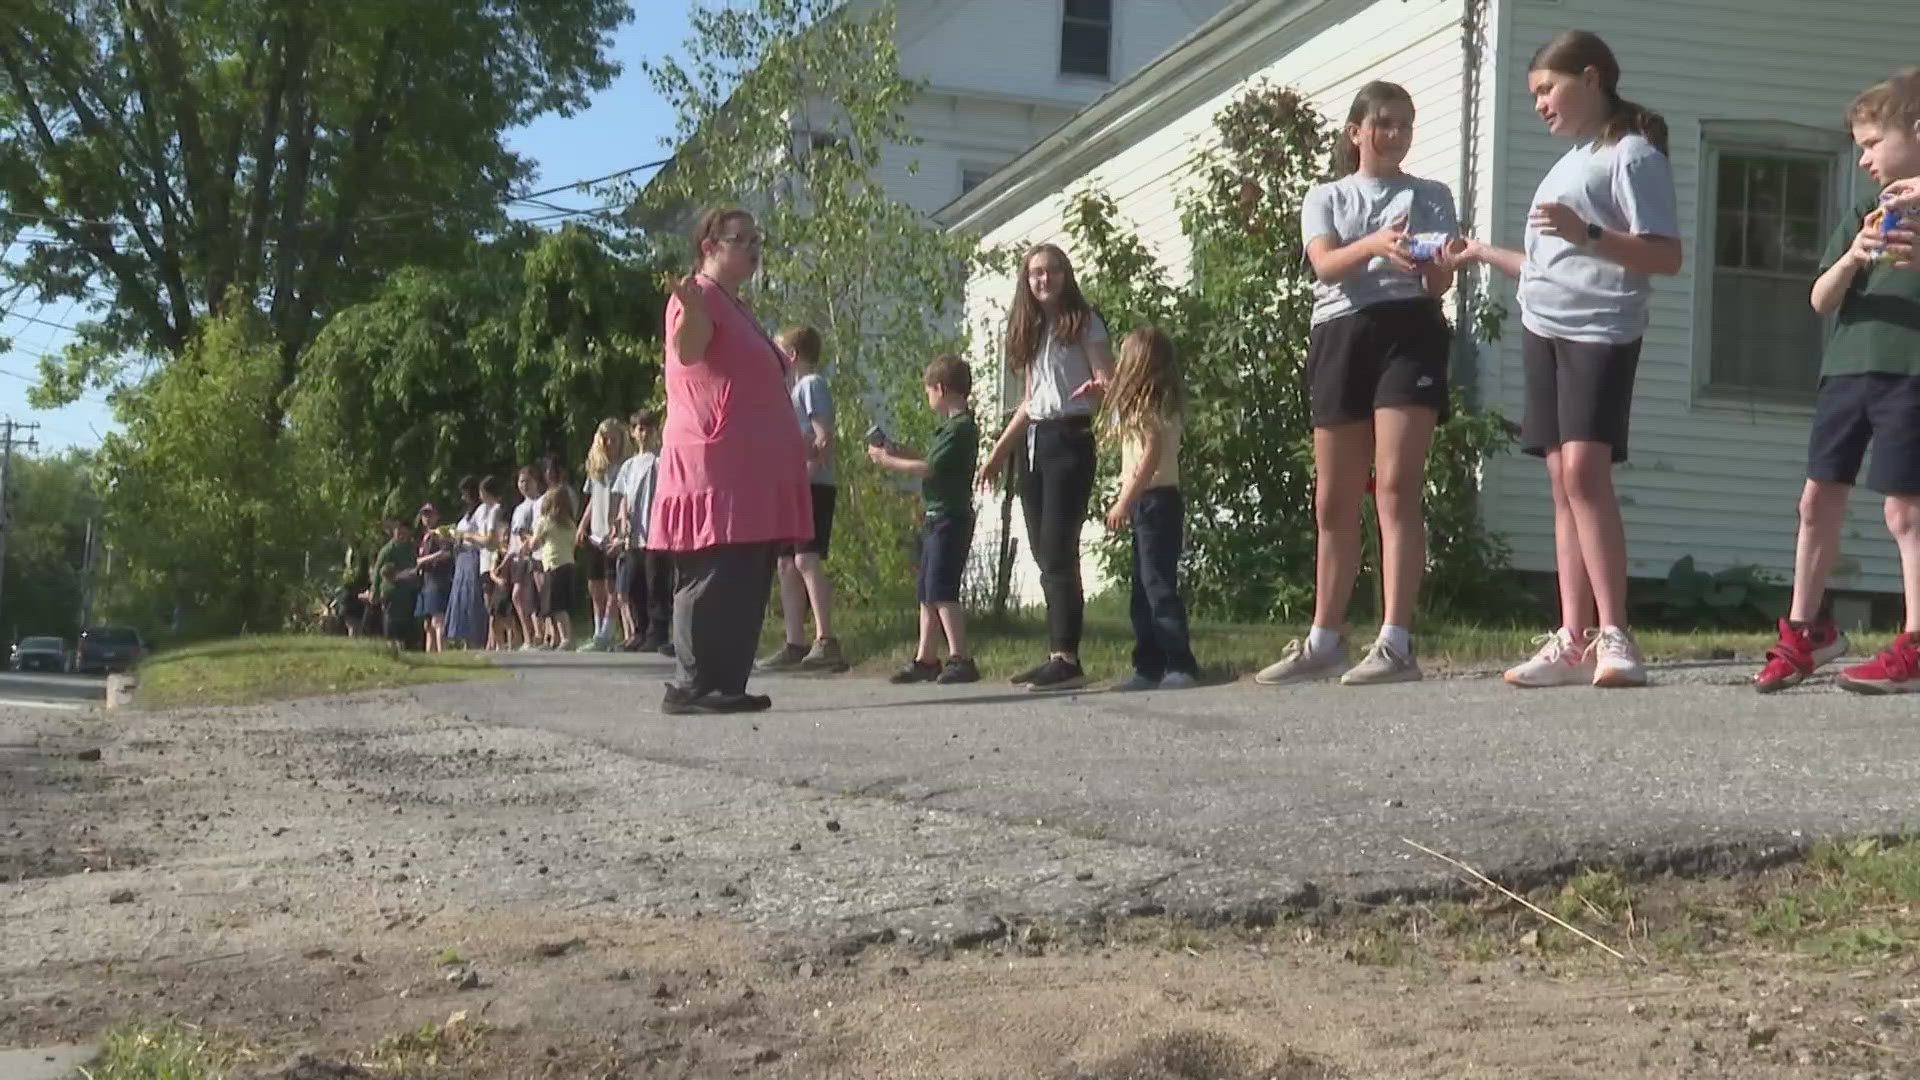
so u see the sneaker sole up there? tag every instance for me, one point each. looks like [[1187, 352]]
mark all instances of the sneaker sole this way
[[1079, 682], [1522, 684], [1290, 680], [1382, 680], [1778, 685], [1875, 689], [1617, 680]]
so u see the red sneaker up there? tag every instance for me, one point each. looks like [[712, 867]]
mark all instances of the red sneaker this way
[[1798, 653], [1894, 671]]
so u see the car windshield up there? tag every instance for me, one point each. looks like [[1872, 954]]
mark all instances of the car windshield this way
[[112, 635], [43, 643]]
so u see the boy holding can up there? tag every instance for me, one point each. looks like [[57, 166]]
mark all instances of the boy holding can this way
[[1869, 393]]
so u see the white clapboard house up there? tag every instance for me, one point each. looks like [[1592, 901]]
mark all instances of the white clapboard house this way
[[1755, 92]]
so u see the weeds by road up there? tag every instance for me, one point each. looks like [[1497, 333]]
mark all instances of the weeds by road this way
[[242, 670]]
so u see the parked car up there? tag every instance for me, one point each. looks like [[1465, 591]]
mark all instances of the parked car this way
[[40, 654], [108, 648]]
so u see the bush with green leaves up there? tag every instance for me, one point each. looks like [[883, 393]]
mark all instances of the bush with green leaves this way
[[1690, 598], [1241, 325]]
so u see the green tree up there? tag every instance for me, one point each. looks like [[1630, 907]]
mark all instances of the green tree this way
[[519, 352], [281, 156], [784, 107], [52, 501], [205, 506], [1241, 323]]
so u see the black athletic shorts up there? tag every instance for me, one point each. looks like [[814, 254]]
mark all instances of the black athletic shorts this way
[[1577, 391], [824, 496], [1385, 355], [593, 561], [944, 543], [1854, 410], [556, 600]]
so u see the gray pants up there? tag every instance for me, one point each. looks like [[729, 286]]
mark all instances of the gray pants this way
[[718, 606]]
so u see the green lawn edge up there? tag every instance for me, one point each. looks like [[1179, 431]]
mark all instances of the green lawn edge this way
[[246, 670]]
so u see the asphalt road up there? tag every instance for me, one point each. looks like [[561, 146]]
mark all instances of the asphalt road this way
[[1230, 800], [36, 690]]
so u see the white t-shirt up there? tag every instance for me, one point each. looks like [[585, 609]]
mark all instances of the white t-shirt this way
[[1059, 369], [1355, 206], [600, 508], [813, 400], [1568, 292], [486, 519], [635, 485], [523, 517]]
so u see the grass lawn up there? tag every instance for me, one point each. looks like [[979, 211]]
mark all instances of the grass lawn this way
[[241, 670], [880, 641]]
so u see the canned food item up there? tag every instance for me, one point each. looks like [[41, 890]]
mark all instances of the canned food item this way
[[1890, 219]]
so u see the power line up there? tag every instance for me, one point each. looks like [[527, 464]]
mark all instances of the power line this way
[[41, 322]]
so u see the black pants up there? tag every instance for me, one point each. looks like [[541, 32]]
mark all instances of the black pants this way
[[397, 621], [1058, 484], [717, 610], [1160, 642]]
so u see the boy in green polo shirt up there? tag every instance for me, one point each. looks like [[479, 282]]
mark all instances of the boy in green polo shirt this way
[[946, 489], [396, 583], [1869, 392]]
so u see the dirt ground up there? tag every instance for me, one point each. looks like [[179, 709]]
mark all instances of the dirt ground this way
[[412, 895]]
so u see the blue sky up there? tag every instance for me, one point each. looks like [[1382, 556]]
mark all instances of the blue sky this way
[[622, 127]]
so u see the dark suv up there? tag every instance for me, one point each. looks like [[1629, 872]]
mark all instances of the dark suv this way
[[108, 648]]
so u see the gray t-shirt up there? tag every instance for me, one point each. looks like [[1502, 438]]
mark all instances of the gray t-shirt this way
[[1059, 369], [813, 401], [1353, 207], [1568, 292]]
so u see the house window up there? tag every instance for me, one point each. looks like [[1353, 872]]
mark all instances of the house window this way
[[972, 177], [1086, 38], [1771, 196]]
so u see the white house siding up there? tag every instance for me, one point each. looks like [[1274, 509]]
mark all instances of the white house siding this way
[[1712, 478], [1326, 54]]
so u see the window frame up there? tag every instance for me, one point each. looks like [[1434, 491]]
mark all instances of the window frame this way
[[1060, 43], [1769, 138]]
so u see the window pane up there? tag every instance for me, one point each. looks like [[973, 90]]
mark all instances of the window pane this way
[[1730, 248], [1806, 188], [1083, 49], [1732, 187], [1098, 10], [1805, 240], [1763, 243], [1766, 185], [1765, 337]]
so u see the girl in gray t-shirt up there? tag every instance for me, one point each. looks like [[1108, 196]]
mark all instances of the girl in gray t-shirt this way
[[1382, 245], [1603, 224]]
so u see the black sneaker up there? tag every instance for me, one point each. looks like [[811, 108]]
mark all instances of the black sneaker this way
[[1026, 677], [915, 671], [1058, 674], [737, 703], [680, 701], [959, 669]]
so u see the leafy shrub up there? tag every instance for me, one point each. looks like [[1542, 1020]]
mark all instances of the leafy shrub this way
[[1691, 598]]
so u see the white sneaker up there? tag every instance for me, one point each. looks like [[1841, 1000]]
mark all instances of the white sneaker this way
[[1178, 680], [1618, 664], [1559, 661], [1135, 683], [1382, 664], [1296, 664]]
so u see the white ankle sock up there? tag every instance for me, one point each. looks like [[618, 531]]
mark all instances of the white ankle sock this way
[[1322, 641], [1399, 637]]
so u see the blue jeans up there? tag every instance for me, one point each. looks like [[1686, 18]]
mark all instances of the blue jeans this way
[[1160, 641]]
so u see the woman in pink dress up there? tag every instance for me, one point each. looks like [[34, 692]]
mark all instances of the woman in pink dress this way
[[732, 484]]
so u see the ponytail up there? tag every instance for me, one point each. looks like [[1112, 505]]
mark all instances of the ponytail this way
[[1631, 118]]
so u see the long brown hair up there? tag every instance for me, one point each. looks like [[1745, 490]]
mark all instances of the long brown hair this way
[[709, 228], [1572, 52], [1147, 385], [1372, 98], [1027, 325]]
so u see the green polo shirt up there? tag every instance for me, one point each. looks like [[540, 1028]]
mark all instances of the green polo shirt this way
[[1877, 328], [948, 487]]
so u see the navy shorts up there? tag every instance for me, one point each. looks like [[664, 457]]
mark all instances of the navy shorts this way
[[1854, 410], [944, 544]]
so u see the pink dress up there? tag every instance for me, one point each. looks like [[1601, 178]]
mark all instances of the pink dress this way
[[733, 466]]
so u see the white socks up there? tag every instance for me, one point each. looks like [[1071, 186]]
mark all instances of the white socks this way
[[1322, 641], [1399, 638]]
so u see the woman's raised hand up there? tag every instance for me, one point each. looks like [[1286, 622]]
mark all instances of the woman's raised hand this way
[[691, 296]]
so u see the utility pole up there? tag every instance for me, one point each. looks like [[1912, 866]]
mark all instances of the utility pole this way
[[9, 429]]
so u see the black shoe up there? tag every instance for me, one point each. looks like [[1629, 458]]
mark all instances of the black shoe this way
[[680, 701], [1026, 677], [666, 648], [1058, 674], [649, 643], [914, 672], [722, 702], [959, 669]]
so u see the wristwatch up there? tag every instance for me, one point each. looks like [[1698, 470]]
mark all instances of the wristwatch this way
[[1594, 232]]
